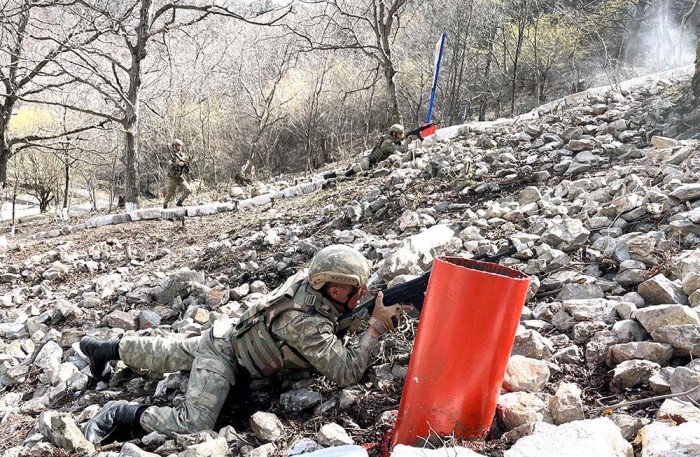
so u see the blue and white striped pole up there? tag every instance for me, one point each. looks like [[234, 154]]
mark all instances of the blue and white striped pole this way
[[438, 59]]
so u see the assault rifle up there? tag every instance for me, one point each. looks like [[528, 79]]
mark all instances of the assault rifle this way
[[413, 291], [184, 169], [418, 132]]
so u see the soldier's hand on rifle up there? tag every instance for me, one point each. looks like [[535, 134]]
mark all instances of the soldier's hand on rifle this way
[[382, 319]]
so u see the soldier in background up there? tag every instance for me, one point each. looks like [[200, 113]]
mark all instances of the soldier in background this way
[[293, 329], [246, 175], [178, 170], [386, 146]]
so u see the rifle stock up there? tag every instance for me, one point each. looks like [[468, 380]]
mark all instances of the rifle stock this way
[[411, 292]]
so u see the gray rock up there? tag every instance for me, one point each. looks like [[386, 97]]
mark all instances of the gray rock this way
[[686, 192], [214, 448], [678, 411], [520, 408], [569, 355], [661, 439], [525, 374], [597, 348], [597, 436], [576, 291], [659, 290], [333, 435], [659, 353], [148, 319], [684, 338], [177, 284], [266, 426], [300, 399], [661, 382], [49, 356], [132, 450], [656, 317], [632, 373], [684, 379], [566, 405], [347, 399], [533, 345], [62, 432], [121, 319], [629, 425], [266, 450]]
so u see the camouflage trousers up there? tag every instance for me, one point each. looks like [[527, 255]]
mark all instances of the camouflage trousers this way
[[212, 365], [173, 185]]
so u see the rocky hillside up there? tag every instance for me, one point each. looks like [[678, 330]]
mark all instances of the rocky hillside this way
[[603, 362]]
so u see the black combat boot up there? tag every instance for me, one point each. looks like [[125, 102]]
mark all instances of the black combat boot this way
[[113, 416], [99, 353], [165, 206], [179, 203]]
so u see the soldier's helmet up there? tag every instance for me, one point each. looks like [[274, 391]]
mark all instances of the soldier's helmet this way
[[396, 128], [339, 264], [178, 142]]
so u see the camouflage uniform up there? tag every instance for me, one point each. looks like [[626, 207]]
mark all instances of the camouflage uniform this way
[[176, 180], [386, 147], [304, 333]]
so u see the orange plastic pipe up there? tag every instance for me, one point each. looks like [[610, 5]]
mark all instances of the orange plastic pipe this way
[[464, 338]]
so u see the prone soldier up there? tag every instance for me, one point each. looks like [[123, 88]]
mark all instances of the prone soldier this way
[[294, 329]]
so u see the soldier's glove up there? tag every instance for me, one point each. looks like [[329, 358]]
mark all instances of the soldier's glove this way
[[382, 319]]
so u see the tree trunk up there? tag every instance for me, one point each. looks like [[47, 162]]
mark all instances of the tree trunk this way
[[65, 189], [130, 151], [131, 124], [5, 153], [389, 73], [695, 84]]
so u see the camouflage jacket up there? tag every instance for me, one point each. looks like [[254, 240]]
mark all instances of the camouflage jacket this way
[[386, 147], [173, 167], [302, 325]]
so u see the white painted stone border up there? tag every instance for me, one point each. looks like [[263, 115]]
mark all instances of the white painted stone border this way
[[208, 209], [573, 99]]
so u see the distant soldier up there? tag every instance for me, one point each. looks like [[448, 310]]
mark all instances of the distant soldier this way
[[178, 170], [386, 146], [241, 177]]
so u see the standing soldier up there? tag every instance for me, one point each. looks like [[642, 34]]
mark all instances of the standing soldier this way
[[178, 170], [293, 329], [241, 177]]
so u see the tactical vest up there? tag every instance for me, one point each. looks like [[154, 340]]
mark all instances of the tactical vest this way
[[256, 348], [377, 155]]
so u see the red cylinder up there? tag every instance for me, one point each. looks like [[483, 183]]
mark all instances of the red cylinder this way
[[464, 338]]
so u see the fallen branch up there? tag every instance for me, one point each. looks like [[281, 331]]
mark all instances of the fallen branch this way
[[645, 400]]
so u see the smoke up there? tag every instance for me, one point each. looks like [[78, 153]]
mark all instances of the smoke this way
[[662, 43]]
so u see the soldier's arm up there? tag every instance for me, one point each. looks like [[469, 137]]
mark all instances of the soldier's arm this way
[[314, 337], [390, 147]]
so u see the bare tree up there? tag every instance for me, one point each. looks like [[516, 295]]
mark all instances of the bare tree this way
[[264, 104], [34, 36], [368, 26], [39, 174], [118, 76]]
